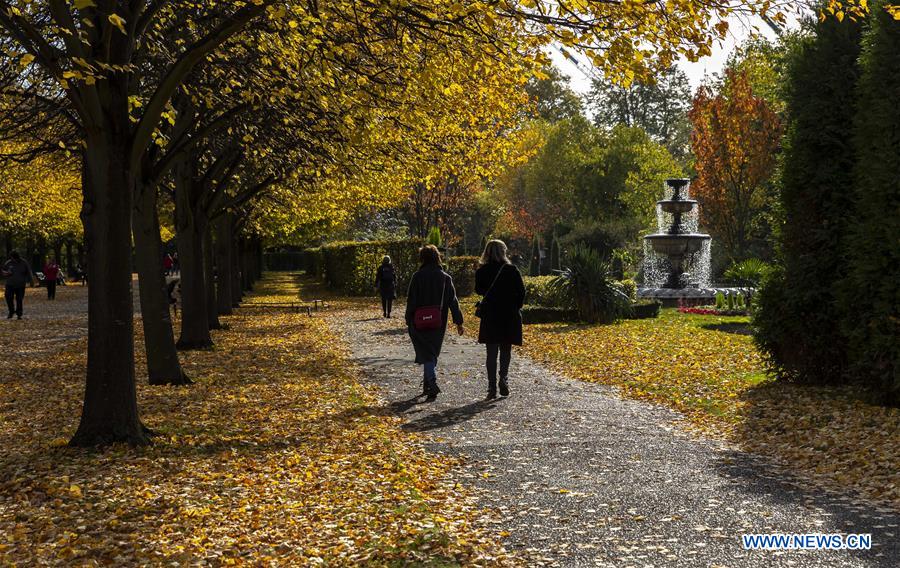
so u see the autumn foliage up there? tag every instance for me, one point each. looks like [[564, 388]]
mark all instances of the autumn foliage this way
[[736, 137]]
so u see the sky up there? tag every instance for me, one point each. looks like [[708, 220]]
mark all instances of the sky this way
[[738, 32]]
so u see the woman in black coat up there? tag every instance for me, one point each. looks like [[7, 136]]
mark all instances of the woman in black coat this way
[[430, 287], [386, 284], [500, 284]]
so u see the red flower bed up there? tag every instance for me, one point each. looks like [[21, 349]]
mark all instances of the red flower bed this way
[[700, 311]]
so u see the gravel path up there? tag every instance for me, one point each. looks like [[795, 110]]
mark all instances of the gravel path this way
[[582, 477]]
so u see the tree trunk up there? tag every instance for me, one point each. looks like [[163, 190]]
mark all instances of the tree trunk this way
[[163, 366], [40, 256], [70, 260], [246, 268], [237, 289], [212, 310], [110, 412], [258, 259], [194, 321], [9, 243], [224, 294], [29, 252]]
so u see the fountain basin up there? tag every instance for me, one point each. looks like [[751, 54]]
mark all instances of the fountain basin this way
[[678, 244], [682, 206], [671, 298]]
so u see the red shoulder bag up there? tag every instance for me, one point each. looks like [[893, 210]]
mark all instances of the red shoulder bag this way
[[428, 318]]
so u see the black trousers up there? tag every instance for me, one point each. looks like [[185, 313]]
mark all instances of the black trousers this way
[[51, 290], [15, 294], [505, 352], [387, 302]]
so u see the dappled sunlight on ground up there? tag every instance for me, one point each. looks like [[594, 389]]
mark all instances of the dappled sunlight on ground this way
[[708, 368], [270, 456]]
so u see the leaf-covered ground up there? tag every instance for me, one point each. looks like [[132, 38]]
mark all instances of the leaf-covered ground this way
[[277, 455], [708, 368]]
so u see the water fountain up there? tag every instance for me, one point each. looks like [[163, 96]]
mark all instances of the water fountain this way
[[677, 258]]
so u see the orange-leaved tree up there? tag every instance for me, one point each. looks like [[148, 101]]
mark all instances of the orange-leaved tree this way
[[736, 137]]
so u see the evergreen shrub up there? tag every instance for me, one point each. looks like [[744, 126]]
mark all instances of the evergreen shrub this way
[[797, 320], [870, 293], [540, 292]]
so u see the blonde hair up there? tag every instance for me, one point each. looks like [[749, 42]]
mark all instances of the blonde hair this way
[[495, 251]]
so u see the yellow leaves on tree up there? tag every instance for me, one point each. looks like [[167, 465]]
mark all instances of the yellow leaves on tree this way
[[41, 198]]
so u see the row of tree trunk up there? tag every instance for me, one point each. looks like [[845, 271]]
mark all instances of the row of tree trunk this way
[[68, 251], [216, 269]]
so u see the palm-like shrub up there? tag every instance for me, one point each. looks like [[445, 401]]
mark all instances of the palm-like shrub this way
[[588, 283], [749, 273]]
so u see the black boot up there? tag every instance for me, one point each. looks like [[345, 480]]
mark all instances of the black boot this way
[[492, 389], [504, 387]]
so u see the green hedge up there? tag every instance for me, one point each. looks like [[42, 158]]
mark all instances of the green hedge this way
[[645, 309], [543, 314], [462, 269], [350, 266]]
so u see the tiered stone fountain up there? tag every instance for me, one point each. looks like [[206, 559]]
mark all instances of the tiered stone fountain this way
[[677, 258]]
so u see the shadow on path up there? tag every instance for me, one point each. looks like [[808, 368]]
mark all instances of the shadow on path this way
[[449, 417]]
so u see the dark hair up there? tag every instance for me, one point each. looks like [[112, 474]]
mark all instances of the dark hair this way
[[15, 255], [429, 254]]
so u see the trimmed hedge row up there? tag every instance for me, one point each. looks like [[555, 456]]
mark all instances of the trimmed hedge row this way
[[350, 266], [645, 309], [462, 270], [544, 314]]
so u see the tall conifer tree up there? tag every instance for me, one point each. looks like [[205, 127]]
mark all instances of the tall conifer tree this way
[[798, 315], [871, 293]]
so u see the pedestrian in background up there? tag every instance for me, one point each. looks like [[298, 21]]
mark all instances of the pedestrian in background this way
[[500, 284], [51, 276], [430, 300], [386, 284], [18, 274]]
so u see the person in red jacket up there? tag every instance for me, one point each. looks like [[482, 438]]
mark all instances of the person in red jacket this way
[[51, 275]]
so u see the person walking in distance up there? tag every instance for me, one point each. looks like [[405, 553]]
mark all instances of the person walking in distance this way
[[51, 275], [18, 274], [500, 284], [386, 284], [168, 263], [430, 300]]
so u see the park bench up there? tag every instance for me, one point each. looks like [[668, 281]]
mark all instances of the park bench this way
[[296, 307]]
